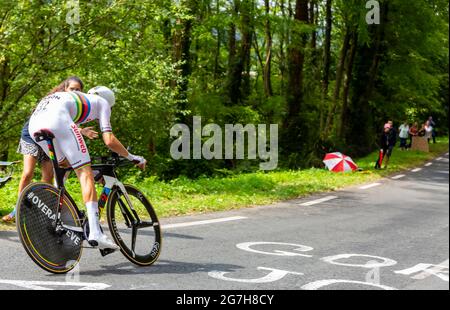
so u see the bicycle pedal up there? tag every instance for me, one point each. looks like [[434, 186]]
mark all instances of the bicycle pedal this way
[[105, 252]]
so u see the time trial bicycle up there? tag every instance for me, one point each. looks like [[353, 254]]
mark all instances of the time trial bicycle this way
[[54, 231]]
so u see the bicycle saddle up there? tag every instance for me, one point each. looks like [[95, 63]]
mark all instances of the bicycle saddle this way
[[44, 134]]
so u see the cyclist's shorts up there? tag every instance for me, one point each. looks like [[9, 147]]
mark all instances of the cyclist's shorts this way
[[69, 142]]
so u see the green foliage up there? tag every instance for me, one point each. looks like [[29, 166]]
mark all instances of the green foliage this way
[[138, 48]]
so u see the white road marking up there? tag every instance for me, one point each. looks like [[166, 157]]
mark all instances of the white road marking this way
[[246, 246], [435, 270], [442, 171], [317, 201], [274, 275], [439, 158], [416, 170], [386, 262], [39, 285], [426, 270], [219, 220], [370, 186], [398, 177], [321, 283], [428, 165]]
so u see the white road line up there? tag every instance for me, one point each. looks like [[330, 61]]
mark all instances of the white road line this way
[[433, 271], [428, 165], [398, 177], [426, 270], [317, 201], [416, 170], [442, 171], [370, 186], [220, 220], [40, 285], [439, 158]]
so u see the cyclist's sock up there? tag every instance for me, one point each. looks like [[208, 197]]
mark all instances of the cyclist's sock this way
[[94, 226]]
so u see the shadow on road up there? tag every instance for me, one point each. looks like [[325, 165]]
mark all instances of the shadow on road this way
[[160, 267]]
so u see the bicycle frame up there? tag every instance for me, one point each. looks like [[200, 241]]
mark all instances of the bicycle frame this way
[[106, 171]]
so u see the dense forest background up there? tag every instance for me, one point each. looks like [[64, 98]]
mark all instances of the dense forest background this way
[[317, 68]]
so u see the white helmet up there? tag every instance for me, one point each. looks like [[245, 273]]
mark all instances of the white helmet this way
[[105, 93]]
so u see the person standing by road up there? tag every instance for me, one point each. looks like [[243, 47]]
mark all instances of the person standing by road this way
[[403, 135], [413, 132], [383, 143], [433, 125], [391, 141], [428, 130]]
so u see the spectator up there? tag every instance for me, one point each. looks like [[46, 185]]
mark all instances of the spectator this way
[[428, 131], [403, 135], [433, 125], [422, 131], [392, 140], [384, 144], [413, 132]]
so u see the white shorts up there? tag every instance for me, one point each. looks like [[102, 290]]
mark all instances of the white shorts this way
[[69, 142]]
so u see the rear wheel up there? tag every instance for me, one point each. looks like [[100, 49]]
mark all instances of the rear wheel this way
[[36, 213], [136, 231]]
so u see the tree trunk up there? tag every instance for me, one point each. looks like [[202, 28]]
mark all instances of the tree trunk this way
[[312, 21], [217, 53], [326, 62], [182, 46], [245, 58], [233, 80], [360, 130], [282, 65], [239, 74], [339, 76], [295, 131], [349, 75], [267, 76]]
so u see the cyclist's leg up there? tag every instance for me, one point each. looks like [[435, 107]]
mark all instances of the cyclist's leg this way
[[47, 170], [29, 164], [74, 148], [86, 177]]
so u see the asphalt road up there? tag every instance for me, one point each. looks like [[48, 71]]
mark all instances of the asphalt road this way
[[390, 235]]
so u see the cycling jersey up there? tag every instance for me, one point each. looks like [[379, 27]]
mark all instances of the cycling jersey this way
[[60, 113]]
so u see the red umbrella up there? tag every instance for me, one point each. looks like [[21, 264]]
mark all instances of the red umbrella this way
[[338, 162]]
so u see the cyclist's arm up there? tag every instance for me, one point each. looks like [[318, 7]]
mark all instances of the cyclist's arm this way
[[114, 144]]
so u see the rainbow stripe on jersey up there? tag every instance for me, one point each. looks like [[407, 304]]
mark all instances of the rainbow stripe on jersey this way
[[83, 107]]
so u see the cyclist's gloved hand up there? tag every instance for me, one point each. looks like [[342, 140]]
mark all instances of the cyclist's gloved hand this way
[[138, 160]]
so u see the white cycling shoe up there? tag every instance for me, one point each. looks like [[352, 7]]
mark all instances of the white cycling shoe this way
[[103, 242]]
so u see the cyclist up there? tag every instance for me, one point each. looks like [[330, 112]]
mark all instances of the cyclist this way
[[32, 153], [60, 113]]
